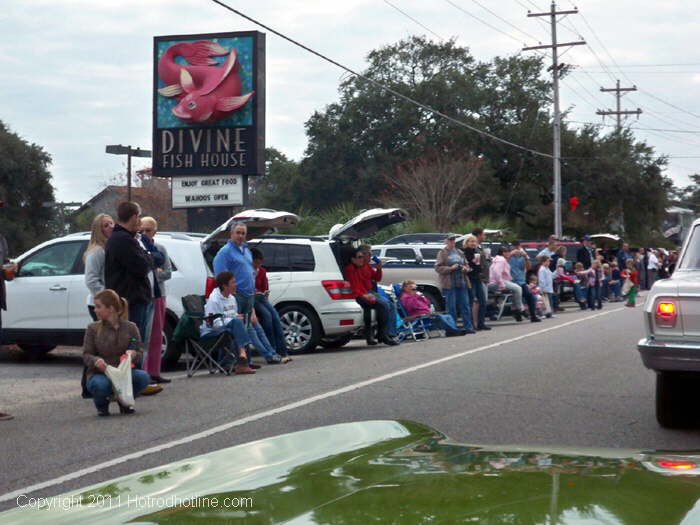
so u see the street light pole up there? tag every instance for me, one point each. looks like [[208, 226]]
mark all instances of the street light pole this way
[[129, 152]]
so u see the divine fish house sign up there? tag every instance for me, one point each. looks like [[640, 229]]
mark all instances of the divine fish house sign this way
[[209, 108]]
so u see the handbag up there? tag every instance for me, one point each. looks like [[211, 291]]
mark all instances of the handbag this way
[[627, 286], [120, 378]]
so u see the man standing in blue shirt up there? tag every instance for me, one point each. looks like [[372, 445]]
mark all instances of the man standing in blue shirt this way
[[235, 257]]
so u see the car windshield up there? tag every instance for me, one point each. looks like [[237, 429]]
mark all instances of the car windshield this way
[[691, 255]]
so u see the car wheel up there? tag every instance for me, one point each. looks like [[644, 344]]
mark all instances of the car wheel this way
[[436, 301], [335, 342], [36, 349], [170, 352], [674, 400], [301, 326]]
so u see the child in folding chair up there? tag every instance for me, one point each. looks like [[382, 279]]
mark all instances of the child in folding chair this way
[[221, 313], [416, 303]]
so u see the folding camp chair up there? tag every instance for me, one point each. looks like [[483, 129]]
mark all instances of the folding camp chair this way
[[501, 300], [204, 351], [417, 327]]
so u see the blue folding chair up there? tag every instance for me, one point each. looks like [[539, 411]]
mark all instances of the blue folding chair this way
[[416, 327]]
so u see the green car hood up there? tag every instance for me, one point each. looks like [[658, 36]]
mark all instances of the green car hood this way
[[389, 472]]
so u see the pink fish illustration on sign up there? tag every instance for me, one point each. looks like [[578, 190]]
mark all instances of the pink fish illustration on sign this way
[[206, 92]]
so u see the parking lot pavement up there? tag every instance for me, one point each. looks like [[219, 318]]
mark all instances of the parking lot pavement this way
[[58, 442], [27, 381]]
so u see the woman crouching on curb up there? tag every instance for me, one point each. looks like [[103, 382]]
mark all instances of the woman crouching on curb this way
[[105, 342]]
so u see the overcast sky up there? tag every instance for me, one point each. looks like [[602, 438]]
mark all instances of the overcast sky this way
[[77, 74]]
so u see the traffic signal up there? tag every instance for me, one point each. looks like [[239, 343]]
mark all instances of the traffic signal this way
[[574, 203]]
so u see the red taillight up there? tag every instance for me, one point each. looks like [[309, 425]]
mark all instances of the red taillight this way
[[209, 286], [677, 465], [346, 322], [338, 289], [666, 314]]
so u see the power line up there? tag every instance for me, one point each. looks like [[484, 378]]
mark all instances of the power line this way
[[413, 19], [612, 59], [382, 86], [668, 103], [506, 21], [635, 128], [472, 15], [660, 65]]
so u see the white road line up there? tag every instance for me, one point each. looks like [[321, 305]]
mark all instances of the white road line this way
[[286, 408]]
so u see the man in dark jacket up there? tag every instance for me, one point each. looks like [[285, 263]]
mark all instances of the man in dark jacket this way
[[128, 265], [584, 255], [4, 259]]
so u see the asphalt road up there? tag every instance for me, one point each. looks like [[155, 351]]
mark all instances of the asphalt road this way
[[575, 380]]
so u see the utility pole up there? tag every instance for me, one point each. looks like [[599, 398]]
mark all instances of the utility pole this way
[[118, 149], [619, 113], [556, 68]]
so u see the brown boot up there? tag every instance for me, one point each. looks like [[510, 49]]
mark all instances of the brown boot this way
[[243, 368]]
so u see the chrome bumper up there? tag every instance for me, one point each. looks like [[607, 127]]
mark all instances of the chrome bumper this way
[[670, 355]]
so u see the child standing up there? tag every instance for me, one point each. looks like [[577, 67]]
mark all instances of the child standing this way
[[631, 286], [595, 285], [615, 283], [535, 291], [545, 281]]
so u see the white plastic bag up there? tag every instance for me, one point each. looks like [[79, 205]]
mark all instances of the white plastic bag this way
[[121, 381]]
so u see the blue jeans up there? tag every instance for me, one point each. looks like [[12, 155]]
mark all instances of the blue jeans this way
[[137, 315], [100, 386], [245, 303], [390, 309], [479, 295], [594, 300], [616, 289], [260, 341], [237, 329], [445, 322], [457, 300], [270, 321], [581, 295]]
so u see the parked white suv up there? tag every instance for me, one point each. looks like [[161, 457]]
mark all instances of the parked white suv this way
[[47, 298], [307, 286]]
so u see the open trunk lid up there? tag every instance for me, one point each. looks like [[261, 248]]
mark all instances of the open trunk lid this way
[[259, 222], [367, 223]]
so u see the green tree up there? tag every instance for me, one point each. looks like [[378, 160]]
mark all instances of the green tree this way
[[277, 187], [25, 185]]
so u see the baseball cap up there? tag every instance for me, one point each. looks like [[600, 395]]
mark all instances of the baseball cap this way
[[452, 236]]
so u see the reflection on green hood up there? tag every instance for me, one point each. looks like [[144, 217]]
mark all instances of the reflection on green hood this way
[[390, 472]]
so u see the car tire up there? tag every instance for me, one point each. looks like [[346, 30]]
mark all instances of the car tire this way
[[674, 400], [335, 342], [435, 300], [36, 350], [302, 328], [171, 352]]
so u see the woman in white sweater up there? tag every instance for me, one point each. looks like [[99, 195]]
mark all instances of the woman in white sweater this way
[[102, 226], [94, 258]]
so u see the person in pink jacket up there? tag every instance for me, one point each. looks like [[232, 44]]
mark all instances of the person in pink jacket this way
[[415, 303], [500, 280]]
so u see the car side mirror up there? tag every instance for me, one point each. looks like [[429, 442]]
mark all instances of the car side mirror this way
[[419, 259]]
